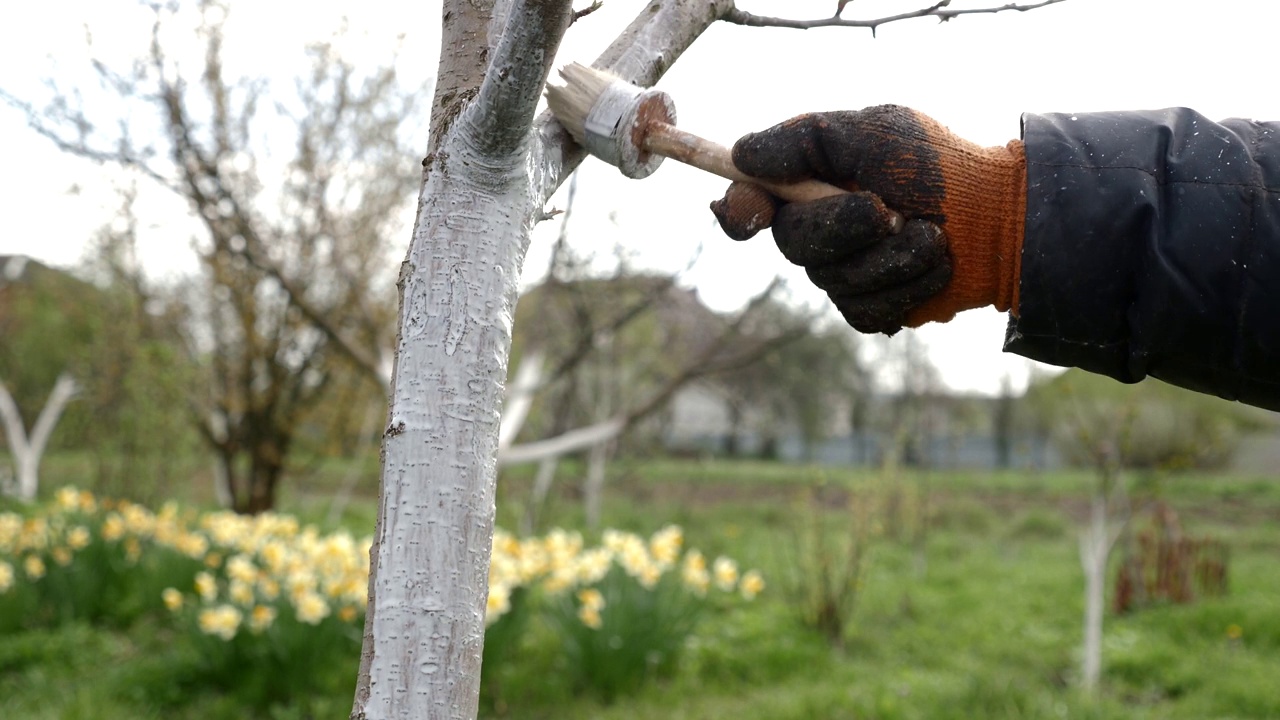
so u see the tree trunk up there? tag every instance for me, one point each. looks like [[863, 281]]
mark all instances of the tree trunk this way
[[28, 450], [1094, 546], [264, 478], [484, 185], [538, 497], [593, 487]]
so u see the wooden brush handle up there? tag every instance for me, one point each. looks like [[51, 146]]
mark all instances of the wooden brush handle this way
[[669, 141]]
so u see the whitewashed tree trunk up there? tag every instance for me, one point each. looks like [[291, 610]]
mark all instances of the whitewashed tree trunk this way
[[593, 486], [28, 450], [1096, 542], [1094, 550], [490, 172]]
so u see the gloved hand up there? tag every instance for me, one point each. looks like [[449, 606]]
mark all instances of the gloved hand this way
[[964, 208]]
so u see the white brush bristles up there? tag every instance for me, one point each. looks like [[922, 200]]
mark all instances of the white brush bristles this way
[[571, 102]]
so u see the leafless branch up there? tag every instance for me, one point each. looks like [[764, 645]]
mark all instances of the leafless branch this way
[[123, 154], [368, 363], [641, 54], [579, 14], [513, 82], [706, 363], [937, 10]]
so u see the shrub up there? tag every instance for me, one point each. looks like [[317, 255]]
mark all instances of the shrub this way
[[271, 611], [85, 559], [622, 612], [828, 559]]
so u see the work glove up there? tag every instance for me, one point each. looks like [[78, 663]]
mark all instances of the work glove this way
[[933, 224]]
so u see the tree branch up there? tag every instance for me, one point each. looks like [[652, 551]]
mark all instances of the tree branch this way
[[705, 363], [370, 364], [641, 54], [516, 74], [579, 14], [563, 444], [938, 10]]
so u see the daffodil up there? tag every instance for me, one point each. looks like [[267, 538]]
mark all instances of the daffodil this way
[[78, 538], [499, 603], [206, 586], [240, 592], [113, 527], [221, 621], [172, 599], [694, 572], [665, 545], [311, 608], [590, 617], [752, 584], [725, 572], [68, 498], [261, 617], [592, 598], [33, 566]]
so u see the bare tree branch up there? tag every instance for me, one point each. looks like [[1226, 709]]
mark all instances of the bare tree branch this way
[[513, 82], [579, 14], [937, 10], [641, 54], [706, 363], [370, 364]]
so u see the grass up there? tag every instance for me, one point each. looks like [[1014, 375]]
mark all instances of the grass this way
[[984, 622]]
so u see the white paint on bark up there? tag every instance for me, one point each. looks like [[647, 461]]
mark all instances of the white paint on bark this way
[[27, 450], [486, 184], [565, 443], [1095, 550], [432, 551]]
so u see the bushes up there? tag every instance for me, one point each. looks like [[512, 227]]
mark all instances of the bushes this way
[[621, 614], [272, 612]]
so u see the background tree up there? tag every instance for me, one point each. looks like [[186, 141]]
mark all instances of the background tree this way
[[1111, 428], [136, 377], [45, 322], [290, 253], [797, 387]]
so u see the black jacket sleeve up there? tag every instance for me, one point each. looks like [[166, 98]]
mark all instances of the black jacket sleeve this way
[[1152, 247]]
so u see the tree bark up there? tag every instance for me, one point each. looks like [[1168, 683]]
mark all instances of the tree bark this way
[[489, 174]]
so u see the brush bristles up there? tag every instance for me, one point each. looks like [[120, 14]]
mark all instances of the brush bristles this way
[[572, 102]]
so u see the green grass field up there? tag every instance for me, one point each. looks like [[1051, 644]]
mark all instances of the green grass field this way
[[978, 616]]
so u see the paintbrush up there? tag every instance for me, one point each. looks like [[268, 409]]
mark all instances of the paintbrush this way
[[633, 128]]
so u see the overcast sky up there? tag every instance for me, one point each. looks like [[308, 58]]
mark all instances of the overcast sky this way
[[975, 74]]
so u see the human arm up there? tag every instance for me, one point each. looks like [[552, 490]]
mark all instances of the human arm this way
[[1150, 245]]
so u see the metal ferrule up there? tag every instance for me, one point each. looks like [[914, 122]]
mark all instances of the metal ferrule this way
[[601, 125]]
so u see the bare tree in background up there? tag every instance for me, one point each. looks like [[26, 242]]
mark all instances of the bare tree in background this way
[[28, 448], [286, 261], [491, 168], [614, 350]]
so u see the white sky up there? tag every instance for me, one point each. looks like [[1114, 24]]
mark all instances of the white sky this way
[[975, 74]]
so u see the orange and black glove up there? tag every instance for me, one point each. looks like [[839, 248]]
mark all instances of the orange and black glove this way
[[963, 205]]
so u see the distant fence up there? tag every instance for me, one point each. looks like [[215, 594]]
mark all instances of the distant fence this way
[[962, 452]]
